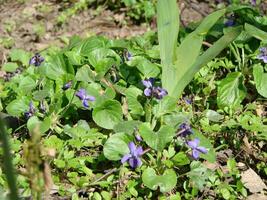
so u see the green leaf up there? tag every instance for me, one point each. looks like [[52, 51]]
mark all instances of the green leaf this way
[[180, 159], [41, 126], [127, 126], [255, 32], [117, 146], [165, 106], [157, 140], [10, 67], [20, 55], [168, 28], [260, 80], [231, 90], [214, 116], [202, 60], [166, 182], [85, 74], [18, 106], [56, 67], [108, 114], [26, 85], [134, 105]]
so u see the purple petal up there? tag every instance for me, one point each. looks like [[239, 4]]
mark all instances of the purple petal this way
[[126, 158], [132, 148], [138, 138], [90, 98], [195, 154], [85, 103], [81, 93], [135, 162], [202, 150], [148, 83], [148, 92], [139, 151], [193, 143]]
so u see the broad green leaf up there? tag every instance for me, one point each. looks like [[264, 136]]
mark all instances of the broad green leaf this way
[[74, 57], [85, 74], [54, 142], [108, 114], [127, 126], [214, 116], [260, 79], [134, 105], [180, 159], [231, 90], [90, 44], [18, 106], [255, 32], [157, 140], [203, 59], [56, 67], [166, 182], [175, 119], [147, 68], [165, 106], [168, 28], [34, 124], [117, 146], [26, 85], [10, 67], [41, 94], [20, 55]]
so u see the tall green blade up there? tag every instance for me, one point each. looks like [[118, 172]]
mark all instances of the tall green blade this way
[[255, 32], [168, 28], [189, 50], [202, 60]]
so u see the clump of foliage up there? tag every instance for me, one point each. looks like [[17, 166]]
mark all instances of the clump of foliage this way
[[109, 117]]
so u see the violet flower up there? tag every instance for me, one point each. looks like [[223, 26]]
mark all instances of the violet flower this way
[[30, 112], [36, 60], [263, 54], [253, 2], [185, 129], [67, 85], [82, 95], [128, 56], [133, 158], [196, 150], [153, 91]]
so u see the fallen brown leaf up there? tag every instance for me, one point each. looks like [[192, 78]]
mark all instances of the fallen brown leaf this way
[[252, 181]]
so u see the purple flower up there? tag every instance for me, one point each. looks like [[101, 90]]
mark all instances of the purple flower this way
[[133, 158], [138, 138], [193, 144], [67, 85], [82, 95], [30, 112], [153, 91], [185, 130], [128, 56], [253, 2], [36, 60], [263, 54]]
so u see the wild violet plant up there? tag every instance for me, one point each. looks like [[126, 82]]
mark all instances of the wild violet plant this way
[[117, 120]]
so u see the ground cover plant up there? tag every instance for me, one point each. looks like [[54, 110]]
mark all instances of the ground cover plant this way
[[179, 113]]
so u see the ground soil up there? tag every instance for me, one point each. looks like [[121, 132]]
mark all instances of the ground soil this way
[[20, 19]]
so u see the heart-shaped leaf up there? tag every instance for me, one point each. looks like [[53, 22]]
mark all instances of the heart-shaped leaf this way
[[231, 90], [108, 114], [157, 140], [165, 182], [117, 146], [260, 79]]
